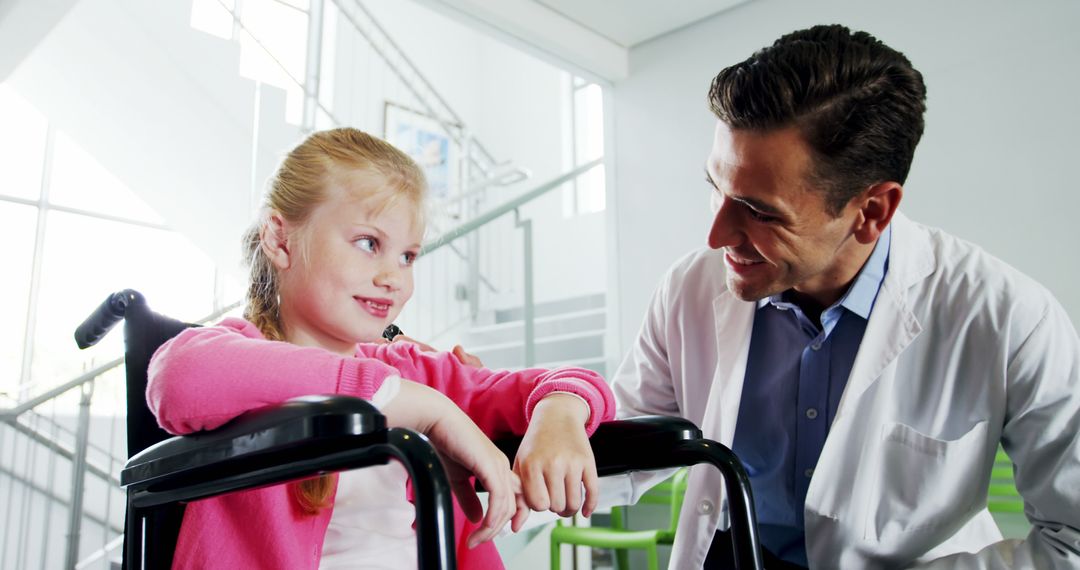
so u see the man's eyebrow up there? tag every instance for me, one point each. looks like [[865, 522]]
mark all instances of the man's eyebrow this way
[[760, 206], [763, 207], [708, 178]]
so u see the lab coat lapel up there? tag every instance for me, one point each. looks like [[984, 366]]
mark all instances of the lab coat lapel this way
[[734, 320], [892, 326]]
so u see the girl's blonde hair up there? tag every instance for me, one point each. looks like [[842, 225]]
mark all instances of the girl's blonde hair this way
[[300, 184]]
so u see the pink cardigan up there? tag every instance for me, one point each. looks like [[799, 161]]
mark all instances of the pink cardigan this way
[[206, 376]]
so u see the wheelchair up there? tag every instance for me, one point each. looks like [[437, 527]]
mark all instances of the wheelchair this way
[[315, 435]]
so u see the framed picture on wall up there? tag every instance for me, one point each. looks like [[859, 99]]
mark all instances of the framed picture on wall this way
[[427, 142]]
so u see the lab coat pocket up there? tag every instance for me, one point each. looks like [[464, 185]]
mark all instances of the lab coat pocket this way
[[925, 483]]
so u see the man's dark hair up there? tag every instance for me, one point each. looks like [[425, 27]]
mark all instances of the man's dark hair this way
[[858, 103]]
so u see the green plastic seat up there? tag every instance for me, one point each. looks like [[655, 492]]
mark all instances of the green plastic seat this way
[[617, 537], [1003, 497]]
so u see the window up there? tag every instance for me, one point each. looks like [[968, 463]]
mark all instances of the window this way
[[587, 193], [17, 233], [74, 233]]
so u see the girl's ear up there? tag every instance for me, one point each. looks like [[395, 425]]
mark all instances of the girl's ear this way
[[275, 242]]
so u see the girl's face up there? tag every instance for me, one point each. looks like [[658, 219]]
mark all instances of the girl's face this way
[[354, 275]]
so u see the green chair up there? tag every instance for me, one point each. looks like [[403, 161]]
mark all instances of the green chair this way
[[620, 539], [1003, 495], [1004, 502]]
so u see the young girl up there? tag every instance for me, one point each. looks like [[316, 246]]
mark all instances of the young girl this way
[[331, 267]]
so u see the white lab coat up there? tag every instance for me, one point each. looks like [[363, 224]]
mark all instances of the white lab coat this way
[[961, 352]]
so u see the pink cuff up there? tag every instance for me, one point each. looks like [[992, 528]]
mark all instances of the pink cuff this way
[[362, 377], [577, 382]]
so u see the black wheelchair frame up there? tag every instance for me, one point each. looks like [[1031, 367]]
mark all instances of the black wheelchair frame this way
[[316, 435]]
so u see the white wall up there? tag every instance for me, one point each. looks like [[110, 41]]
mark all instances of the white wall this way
[[994, 166]]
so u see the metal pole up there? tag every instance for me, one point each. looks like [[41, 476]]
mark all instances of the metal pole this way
[[313, 66], [528, 307], [472, 207], [30, 326], [49, 488], [8, 525], [29, 474], [78, 477]]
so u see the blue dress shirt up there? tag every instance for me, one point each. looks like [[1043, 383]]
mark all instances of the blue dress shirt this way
[[795, 376]]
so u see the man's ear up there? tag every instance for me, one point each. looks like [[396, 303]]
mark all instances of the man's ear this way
[[275, 240], [876, 208]]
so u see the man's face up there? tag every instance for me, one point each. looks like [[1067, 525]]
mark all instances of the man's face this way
[[775, 229]]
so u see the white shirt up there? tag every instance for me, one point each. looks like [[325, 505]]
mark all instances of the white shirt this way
[[371, 526]]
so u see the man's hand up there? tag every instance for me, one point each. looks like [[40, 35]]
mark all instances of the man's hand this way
[[465, 358]]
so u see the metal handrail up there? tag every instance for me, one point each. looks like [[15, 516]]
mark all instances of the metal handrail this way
[[511, 205], [44, 441], [100, 553], [9, 415], [513, 176]]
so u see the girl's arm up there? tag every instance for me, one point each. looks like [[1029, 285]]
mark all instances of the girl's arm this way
[[501, 402], [206, 376], [556, 410], [465, 452]]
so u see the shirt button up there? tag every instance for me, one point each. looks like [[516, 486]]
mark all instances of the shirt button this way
[[808, 472], [816, 346], [811, 413], [705, 507]]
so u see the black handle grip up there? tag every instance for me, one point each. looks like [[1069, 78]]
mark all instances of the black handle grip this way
[[104, 318]]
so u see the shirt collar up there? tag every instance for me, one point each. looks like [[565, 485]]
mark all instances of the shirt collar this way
[[859, 298]]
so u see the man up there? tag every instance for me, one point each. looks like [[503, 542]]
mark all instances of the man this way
[[863, 367]]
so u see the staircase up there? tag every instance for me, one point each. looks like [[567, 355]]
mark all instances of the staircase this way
[[569, 332]]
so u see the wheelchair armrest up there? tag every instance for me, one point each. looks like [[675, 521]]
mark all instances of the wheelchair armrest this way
[[635, 444], [658, 442], [285, 439], [639, 444], [303, 437]]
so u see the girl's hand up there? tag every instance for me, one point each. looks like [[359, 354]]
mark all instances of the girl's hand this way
[[555, 459], [465, 452]]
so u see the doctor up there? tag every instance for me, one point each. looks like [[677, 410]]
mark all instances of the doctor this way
[[864, 367]]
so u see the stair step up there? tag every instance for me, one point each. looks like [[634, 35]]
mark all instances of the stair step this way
[[572, 304], [518, 342], [552, 325], [597, 365], [567, 347]]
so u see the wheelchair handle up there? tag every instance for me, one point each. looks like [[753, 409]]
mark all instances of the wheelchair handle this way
[[105, 317]]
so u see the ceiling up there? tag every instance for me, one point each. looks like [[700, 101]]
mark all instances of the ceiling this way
[[593, 38], [631, 22]]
